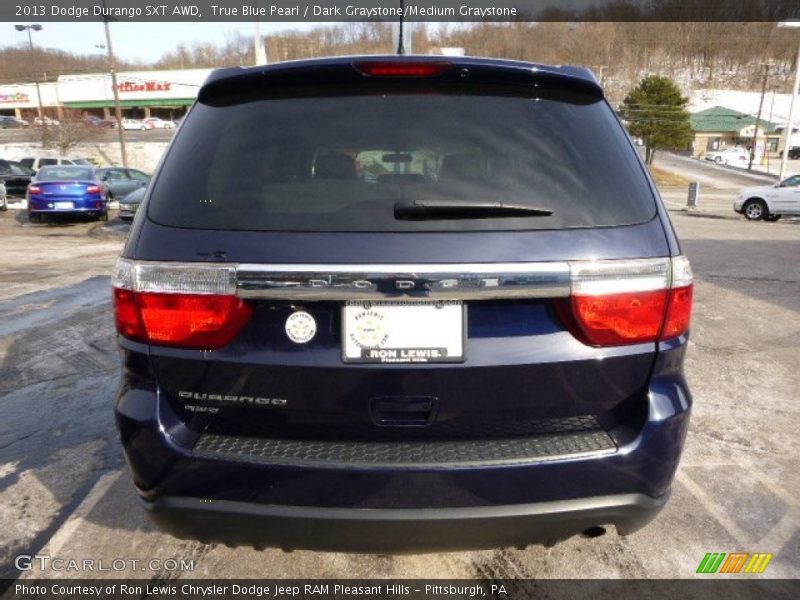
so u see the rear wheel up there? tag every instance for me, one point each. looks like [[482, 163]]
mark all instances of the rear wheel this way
[[35, 218], [4, 205], [755, 210], [103, 216], [718, 160]]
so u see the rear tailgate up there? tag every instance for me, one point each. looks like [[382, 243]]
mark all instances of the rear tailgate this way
[[303, 180]]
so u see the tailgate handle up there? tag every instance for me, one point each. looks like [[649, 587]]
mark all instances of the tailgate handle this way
[[403, 411]]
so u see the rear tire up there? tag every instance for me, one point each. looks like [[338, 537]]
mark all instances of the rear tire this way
[[35, 218], [755, 210], [718, 160], [103, 216], [4, 206]]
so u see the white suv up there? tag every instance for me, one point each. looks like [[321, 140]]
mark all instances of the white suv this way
[[770, 202], [737, 157], [45, 161]]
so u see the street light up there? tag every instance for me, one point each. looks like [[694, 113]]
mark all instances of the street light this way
[[790, 124], [34, 27]]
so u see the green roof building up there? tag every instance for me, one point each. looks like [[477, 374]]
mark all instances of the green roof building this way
[[718, 128]]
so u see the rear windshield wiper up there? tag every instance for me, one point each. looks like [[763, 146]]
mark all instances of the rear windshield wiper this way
[[443, 208]]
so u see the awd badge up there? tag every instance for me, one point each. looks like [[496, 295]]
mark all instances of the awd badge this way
[[301, 327]]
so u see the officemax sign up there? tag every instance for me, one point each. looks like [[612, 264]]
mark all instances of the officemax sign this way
[[143, 86]]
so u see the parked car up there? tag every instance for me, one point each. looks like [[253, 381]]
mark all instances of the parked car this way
[[794, 152], [36, 163], [770, 202], [45, 121], [134, 124], [3, 197], [86, 162], [738, 157], [156, 123], [130, 204], [93, 121], [472, 349], [67, 189], [12, 123], [15, 176], [121, 181]]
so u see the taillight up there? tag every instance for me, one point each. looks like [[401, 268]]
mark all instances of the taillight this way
[[34, 189], [93, 189], [620, 302], [188, 306], [401, 68], [679, 310]]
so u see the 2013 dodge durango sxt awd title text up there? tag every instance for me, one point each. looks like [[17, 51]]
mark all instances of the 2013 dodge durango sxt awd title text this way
[[451, 285]]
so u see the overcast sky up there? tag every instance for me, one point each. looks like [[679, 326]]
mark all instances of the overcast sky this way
[[135, 41]]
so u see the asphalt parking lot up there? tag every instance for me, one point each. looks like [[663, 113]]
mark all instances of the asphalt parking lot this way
[[32, 134], [64, 491]]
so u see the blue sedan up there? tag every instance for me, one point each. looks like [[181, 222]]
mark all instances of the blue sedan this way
[[67, 189]]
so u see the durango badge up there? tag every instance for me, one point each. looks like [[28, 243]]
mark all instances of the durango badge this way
[[301, 327]]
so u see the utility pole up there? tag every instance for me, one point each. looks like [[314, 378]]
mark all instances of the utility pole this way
[[112, 65], [758, 119], [258, 45], [790, 124], [771, 110], [34, 27]]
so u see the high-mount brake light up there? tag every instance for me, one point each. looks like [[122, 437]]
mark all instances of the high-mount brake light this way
[[401, 68], [188, 306], [619, 302]]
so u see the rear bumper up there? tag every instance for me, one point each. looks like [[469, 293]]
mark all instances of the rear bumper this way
[[67, 211], [398, 530], [280, 499]]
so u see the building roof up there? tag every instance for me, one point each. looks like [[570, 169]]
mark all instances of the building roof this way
[[719, 119]]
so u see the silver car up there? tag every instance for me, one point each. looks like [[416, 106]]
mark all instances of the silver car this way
[[130, 204]]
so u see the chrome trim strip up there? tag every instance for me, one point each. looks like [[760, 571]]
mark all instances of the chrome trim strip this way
[[471, 281]]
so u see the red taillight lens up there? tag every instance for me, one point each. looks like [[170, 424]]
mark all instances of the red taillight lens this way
[[200, 321], [34, 189], [402, 68], [93, 189], [628, 302], [626, 318], [192, 321], [679, 312], [126, 315]]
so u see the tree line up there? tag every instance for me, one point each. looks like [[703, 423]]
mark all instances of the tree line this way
[[696, 54]]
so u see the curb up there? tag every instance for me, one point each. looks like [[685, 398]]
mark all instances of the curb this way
[[702, 215]]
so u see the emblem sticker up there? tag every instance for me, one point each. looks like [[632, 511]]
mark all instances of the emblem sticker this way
[[301, 327]]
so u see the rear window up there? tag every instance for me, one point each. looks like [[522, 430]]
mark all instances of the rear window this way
[[62, 173], [342, 163]]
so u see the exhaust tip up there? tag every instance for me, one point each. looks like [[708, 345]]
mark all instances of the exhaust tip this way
[[593, 532]]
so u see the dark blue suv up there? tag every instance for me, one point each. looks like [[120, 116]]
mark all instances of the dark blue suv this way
[[402, 304]]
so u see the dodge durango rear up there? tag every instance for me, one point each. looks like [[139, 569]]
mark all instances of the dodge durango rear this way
[[401, 304]]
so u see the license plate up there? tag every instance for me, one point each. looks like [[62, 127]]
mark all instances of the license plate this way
[[403, 332], [64, 204]]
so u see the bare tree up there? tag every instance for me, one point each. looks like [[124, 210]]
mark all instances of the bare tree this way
[[66, 135]]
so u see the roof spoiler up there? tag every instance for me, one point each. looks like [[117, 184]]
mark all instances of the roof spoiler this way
[[345, 70]]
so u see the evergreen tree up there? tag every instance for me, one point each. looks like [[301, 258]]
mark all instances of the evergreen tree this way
[[656, 112]]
